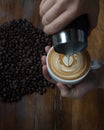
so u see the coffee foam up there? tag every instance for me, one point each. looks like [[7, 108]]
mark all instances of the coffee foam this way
[[78, 65], [67, 60]]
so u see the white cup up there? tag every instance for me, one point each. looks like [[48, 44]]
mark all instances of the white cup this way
[[94, 64]]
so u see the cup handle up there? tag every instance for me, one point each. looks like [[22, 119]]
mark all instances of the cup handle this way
[[96, 64]]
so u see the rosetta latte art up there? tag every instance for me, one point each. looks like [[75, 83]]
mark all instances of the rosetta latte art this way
[[78, 65]]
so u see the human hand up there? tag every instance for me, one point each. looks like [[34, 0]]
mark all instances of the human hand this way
[[90, 83], [56, 14]]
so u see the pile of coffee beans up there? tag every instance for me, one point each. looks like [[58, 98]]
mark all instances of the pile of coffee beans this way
[[21, 48]]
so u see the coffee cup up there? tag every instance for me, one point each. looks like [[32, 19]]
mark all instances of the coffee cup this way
[[72, 71]]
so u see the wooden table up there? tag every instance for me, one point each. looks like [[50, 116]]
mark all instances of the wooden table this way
[[51, 111]]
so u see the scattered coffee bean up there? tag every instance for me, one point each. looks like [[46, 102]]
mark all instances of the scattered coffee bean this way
[[21, 48]]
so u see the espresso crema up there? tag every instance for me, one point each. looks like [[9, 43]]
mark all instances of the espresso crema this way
[[74, 68]]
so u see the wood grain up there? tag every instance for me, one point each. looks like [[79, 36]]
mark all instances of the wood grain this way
[[51, 111]]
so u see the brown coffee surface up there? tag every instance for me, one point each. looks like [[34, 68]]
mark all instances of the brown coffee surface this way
[[78, 65]]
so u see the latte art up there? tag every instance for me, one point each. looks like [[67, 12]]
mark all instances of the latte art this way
[[77, 65], [67, 60]]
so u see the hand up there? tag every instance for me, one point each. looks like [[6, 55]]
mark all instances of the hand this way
[[90, 83], [56, 14]]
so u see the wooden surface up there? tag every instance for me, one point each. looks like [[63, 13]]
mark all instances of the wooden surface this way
[[51, 111]]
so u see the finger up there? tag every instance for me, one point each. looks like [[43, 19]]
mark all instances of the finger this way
[[43, 59], [47, 48], [64, 19], [46, 74], [81, 89], [87, 85], [74, 91], [64, 90], [53, 13], [42, 2], [46, 6], [84, 87]]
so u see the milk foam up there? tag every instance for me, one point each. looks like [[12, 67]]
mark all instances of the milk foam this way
[[67, 60], [78, 65]]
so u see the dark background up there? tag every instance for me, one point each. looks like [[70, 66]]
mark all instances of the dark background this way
[[51, 111]]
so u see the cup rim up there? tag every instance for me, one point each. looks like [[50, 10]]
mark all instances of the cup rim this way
[[60, 79]]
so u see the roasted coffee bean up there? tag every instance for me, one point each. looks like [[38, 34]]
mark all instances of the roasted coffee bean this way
[[21, 48]]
